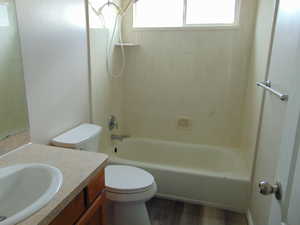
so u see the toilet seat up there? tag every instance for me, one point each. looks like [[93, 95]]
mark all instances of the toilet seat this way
[[132, 197], [128, 180]]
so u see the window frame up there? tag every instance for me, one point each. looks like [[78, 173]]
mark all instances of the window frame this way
[[186, 26]]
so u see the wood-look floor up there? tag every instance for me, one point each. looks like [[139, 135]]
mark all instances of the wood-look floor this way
[[167, 212]]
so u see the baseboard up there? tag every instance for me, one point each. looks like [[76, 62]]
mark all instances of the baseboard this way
[[249, 217]]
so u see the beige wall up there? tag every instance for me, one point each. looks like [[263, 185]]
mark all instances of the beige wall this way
[[200, 74], [54, 44], [257, 72], [106, 91], [12, 142], [13, 109]]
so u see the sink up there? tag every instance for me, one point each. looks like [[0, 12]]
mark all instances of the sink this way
[[26, 188]]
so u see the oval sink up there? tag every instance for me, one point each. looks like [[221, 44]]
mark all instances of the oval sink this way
[[26, 188]]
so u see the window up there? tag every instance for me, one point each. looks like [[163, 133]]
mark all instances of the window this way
[[158, 13], [4, 21], [184, 13]]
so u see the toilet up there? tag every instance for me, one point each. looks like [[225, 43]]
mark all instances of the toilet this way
[[127, 187]]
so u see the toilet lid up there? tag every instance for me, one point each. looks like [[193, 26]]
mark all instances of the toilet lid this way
[[127, 179]]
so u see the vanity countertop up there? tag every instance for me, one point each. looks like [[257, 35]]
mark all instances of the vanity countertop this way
[[77, 167]]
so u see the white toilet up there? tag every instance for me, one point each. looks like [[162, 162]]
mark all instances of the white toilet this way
[[127, 187]]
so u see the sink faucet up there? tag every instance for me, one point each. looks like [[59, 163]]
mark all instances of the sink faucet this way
[[114, 137]]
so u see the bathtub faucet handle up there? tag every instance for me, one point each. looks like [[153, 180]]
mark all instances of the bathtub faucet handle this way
[[113, 123]]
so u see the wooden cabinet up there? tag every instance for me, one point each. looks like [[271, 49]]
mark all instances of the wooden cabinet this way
[[87, 207], [93, 216], [72, 212], [95, 187]]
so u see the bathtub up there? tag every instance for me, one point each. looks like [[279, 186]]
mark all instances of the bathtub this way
[[205, 175]]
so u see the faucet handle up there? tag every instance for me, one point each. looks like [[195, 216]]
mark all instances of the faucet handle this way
[[113, 123]]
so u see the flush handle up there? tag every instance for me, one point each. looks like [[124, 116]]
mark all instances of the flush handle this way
[[265, 188]]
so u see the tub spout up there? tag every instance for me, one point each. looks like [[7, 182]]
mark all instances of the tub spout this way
[[114, 137]]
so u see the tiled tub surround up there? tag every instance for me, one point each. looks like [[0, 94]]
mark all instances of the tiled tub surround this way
[[77, 167], [12, 142], [200, 74]]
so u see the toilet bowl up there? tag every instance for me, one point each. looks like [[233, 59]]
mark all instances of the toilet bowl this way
[[127, 189]]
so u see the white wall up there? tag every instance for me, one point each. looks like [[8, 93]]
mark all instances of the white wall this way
[[54, 45], [200, 74]]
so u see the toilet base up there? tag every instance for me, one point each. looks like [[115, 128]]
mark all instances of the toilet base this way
[[133, 213]]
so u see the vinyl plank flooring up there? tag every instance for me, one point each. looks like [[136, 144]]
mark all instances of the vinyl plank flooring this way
[[232, 218], [164, 212], [212, 216], [168, 212], [191, 214]]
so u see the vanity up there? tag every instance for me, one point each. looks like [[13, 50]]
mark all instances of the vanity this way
[[80, 198]]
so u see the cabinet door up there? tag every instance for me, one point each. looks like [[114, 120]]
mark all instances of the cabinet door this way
[[97, 219], [87, 207], [72, 212], [95, 201], [95, 187], [93, 216]]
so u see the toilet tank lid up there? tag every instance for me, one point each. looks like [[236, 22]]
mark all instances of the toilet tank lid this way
[[77, 135]]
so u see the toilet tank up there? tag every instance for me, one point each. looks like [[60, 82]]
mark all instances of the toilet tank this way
[[85, 137]]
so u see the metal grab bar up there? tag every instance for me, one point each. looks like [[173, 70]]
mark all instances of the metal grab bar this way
[[268, 86]]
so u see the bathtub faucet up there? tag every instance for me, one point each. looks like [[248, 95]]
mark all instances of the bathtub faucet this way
[[114, 137]]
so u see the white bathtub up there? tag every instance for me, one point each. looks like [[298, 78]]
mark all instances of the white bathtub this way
[[206, 175]]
